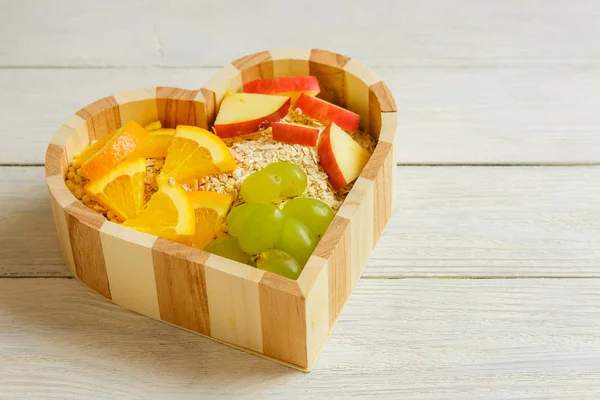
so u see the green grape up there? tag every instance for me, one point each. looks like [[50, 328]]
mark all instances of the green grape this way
[[228, 247], [315, 214], [261, 187], [236, 219], [279, 262], [293, 178], [297, 240], [262, 229]]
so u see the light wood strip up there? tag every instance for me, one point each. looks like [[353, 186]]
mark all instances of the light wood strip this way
[[356, 97], [463, 116], [384, 195], [359, 208], [380, 169], [138, 105], [181, 285], [56, 160], [227, 79], [335, 247], [72, 135], [313, 282], [290, 62], [448, 221], [129, 268], [233, 302], [424, 339], [60, 198], [390, 131]]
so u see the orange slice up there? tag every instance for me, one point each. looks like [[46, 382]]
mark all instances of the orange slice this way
[[210, 209], [121, 190], [91, 150], [168, 214], [156, 145], [194, 153], [152, 126], [116, 149]]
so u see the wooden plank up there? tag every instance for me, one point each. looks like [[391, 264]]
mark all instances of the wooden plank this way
[[181, 286], [64, 92], [497, 116], [390, 33], [448, 221], [283, 319], [503, 221], [413, 338], [129, 267], [232, 292], [445, 115]]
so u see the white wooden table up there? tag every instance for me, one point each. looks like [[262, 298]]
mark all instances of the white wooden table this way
[[486, 283]]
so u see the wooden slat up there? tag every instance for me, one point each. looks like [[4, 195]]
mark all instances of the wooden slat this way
[[83, 226], [283, 319], [448, 221], [129, 267], [412, 338], [334, 247], [445, 115], [102, 117], [27, 134], [497, 116], [392, 32], [181, 285], [232, 291]]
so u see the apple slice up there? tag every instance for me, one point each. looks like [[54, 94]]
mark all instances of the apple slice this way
[[244, 113], [295, 133], [327, 113], [292, 86], [341, 157]]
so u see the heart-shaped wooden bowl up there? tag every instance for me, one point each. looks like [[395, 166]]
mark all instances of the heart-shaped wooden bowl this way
[[276, 317]]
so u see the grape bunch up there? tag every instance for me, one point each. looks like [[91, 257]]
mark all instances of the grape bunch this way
[[275, 181], [273, 239]]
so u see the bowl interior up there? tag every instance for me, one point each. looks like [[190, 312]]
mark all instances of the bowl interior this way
[[343, 81]]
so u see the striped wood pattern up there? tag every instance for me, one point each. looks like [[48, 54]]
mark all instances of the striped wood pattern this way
[[83, 227], [282, 309], [128, 258], [101, 117], [181, 285], [266, 314], [233, 301], [255, 66]]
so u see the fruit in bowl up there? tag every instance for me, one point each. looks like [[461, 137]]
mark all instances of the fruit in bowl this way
[[291, 86], [261, 190], [247, 300]]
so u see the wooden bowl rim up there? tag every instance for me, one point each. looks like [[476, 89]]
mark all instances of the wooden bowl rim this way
[[55, 165]]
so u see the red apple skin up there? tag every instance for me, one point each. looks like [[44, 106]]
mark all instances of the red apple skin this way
[[327, 113], [284, 84], [251, 126], [295, 134], [328, 162]]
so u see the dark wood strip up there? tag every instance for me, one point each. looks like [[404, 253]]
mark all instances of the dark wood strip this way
[[181, 285], [283, 319], [83, 225]]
